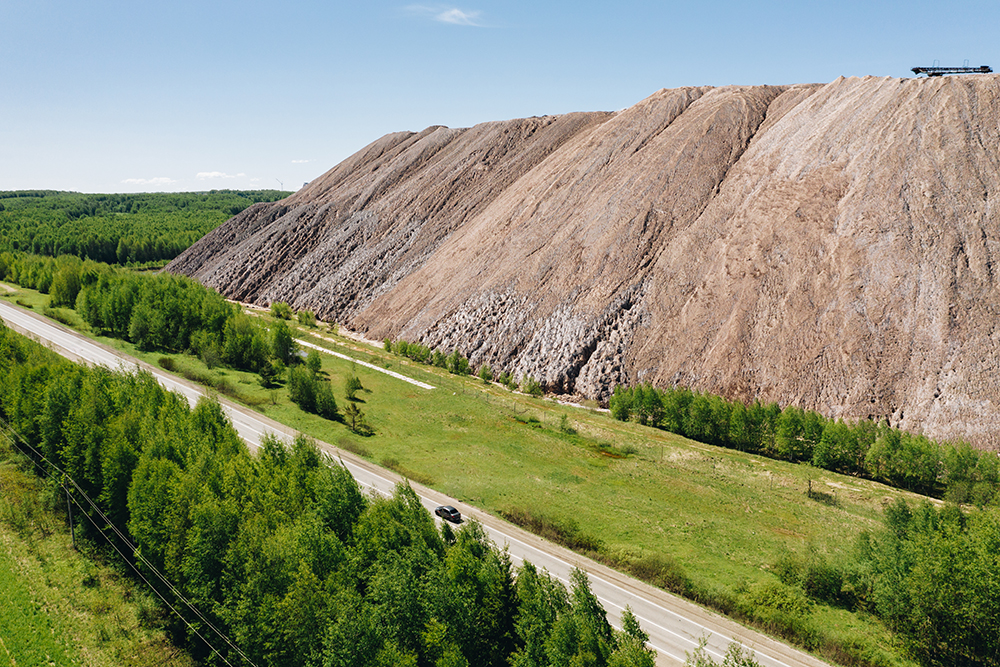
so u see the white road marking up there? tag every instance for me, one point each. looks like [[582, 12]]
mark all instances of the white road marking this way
[[398, 376]]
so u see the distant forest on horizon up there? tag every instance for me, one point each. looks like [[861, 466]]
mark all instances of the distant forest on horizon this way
[[117, 228]]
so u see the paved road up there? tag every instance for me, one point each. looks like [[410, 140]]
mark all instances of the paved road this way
[[674, 625]]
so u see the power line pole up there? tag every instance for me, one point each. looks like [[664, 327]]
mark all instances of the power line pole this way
[[69, 509]]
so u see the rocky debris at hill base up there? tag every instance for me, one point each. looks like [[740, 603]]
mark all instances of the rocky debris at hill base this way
[[830, 246]]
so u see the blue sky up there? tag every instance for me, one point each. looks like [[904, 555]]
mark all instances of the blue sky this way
[[178, 95]]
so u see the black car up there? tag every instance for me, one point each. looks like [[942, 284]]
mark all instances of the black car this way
[[449, 513]]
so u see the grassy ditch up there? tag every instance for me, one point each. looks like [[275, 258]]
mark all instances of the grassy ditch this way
[[63, 607]]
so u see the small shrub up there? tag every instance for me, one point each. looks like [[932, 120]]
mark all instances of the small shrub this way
[[823, 581], [485, 374], [564, 426], [788, 568], [167, 364], [58, 315], [661, 571], [352, 386], [387, 345], [313, 362], [566, 533], [354, 447], [307, 318], [393, 464], [530, 386], [281, 310]]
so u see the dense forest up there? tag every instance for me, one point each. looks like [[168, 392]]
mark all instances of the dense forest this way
[[117, 228], [954, 471], [277, 557]]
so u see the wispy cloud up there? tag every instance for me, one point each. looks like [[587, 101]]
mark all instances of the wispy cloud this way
[[207, 175], [445, 14], [300, 161], [158, 180]]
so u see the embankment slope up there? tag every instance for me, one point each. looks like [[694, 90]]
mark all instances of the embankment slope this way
[[831, 246]]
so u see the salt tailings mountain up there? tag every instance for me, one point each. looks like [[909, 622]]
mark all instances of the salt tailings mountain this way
[[830, 246]]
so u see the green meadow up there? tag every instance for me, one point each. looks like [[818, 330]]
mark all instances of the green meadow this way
[[60, 606]]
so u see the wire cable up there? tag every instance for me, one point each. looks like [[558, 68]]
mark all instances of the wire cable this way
[[135, 551]]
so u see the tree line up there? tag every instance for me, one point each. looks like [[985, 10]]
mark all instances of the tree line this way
[[954, 471], [117, 228], [280, 550], [173, 313], [931, 574]]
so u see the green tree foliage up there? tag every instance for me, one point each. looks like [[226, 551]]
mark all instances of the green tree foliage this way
[[283, 346], [313, 362], [352, 385], [457, 363], [116, 228], [736, 656], [935, 578], [864, 448], [244, 343], [281, 310], [160, 311], [310, 393], [632, 650], [355, 420], [302, 388], [531, 386], [306, 318], [269, 374]]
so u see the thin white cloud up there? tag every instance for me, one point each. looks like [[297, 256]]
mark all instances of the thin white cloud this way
[[159, 180], [300, 161], [459, 17], [206, 175], [452, 15]]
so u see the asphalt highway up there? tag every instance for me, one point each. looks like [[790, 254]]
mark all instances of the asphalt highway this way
[[674, 625]]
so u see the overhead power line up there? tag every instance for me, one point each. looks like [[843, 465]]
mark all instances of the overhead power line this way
[[6, 426]]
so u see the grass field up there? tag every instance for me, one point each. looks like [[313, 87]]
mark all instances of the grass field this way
[[61, 607], [719, 517]]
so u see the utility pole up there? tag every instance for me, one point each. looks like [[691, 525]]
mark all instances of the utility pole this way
[[69, 509]]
